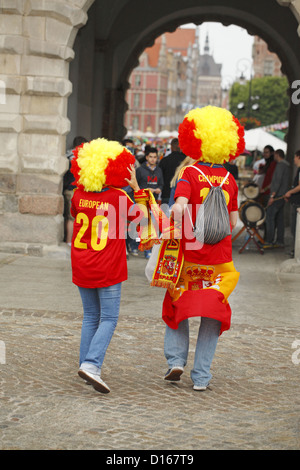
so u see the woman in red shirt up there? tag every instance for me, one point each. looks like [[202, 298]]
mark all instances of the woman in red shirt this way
[[211, 136], [98, 253]]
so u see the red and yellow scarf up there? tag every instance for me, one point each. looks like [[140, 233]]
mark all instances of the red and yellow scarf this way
[[170, 258]]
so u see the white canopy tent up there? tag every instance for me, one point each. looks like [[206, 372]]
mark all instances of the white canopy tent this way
[[134, 133], [257, 139], [148, 134], [164, 134]]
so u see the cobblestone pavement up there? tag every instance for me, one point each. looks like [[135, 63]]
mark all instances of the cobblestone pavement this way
[[252, 403]]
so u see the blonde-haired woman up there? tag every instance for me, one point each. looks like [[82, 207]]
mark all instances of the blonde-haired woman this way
[[210, 136], [187, 161]]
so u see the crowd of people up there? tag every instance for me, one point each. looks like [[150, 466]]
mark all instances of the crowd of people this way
[[273, 175], [157, 162]]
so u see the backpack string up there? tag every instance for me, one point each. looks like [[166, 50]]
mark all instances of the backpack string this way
[[228, 173], [192, 166]]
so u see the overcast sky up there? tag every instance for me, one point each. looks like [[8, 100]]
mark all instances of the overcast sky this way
[[230, 46]]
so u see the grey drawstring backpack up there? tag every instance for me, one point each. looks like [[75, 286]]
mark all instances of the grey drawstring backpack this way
[[212, 220]]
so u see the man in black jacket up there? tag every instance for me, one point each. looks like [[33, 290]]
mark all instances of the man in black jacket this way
[[275, 206], [168, 166], [293, 196]]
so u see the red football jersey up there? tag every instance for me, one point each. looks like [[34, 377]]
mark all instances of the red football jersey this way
[[98, 252], [195, 187]]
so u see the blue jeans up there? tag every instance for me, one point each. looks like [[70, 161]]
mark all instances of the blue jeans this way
[[100, 316], [177, 347]]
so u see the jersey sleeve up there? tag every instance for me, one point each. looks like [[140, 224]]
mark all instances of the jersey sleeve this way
[[234, 197], [183, 186], [73, 204]]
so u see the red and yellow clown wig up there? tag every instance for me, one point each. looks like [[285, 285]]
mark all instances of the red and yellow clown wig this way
[[211, 134], [101, 163]]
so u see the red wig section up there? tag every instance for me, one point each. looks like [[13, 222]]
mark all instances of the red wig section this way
[[117, 169], [241, 143], [188, 143], [75, 169]]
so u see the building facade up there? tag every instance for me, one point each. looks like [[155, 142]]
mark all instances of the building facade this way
[[209, 89], [172, 78], [64, 71], [265, 63], [164, 85]]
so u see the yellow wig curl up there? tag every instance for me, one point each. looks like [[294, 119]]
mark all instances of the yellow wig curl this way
[[211, 134], [101, 163]]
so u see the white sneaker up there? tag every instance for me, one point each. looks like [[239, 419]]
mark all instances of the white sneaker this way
[[199, 388], [94, 380]]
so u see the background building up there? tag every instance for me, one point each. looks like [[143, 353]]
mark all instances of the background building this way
[[265, 63], [164, 84], [209, 79], [172, 78]]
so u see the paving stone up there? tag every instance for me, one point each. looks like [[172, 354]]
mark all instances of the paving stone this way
[[253, 400]]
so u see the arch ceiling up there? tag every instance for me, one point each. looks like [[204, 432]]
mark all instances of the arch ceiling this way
[[137, 24]]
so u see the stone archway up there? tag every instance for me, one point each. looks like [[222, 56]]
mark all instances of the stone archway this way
[[36, 48]]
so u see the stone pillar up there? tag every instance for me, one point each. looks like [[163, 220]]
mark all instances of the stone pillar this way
[[36, 41], [113, 115], [297, 240]]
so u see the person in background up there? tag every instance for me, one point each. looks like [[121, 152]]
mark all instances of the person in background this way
[[233, 169], [275, 207], [149, 176], [267, 170], [68, 189], [168, 166], [293, 197], [131, 243]]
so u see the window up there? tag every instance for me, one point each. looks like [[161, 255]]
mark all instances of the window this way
[[137, 80], [268, 67], [136, 100], [135, 122]]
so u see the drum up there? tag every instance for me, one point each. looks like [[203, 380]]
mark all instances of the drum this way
[[252, 213], [251, 190]]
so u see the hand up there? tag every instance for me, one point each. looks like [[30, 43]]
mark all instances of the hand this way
[[132, 181], [270, 201], [287, 194]]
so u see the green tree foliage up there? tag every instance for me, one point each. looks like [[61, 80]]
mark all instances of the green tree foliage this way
[[273, 101]]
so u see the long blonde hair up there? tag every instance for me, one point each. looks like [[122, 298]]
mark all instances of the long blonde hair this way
[[187, 161]]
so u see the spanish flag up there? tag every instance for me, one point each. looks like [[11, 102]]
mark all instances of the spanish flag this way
[[201, 291]]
